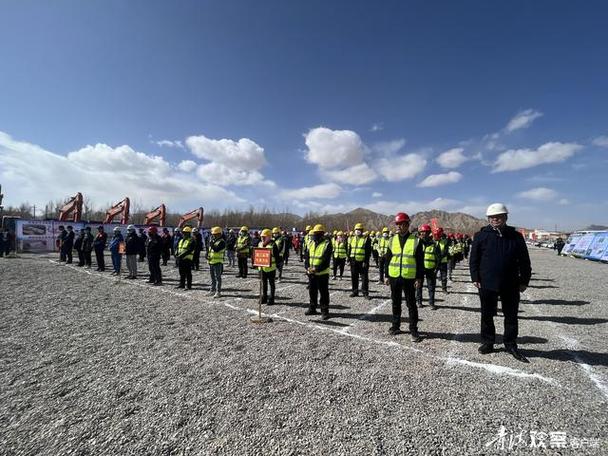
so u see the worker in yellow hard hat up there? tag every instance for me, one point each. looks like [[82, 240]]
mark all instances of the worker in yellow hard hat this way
[[359, 252], [374, 241], [279, 241], [303, 241], [382, 248], [269, 273], [215, 257], [339, 253], [317, 262], [184, 255], [243, 251]]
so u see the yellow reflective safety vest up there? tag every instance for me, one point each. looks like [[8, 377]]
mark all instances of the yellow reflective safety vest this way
[[383, 245], [273, 263], [443, 246], [339, 248], [215, 257], [242, 244], [403, 261], [430, 259], [357, 247], [183, 245], [315, 256]]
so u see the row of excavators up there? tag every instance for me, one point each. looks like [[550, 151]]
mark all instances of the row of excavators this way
[[72, 212]]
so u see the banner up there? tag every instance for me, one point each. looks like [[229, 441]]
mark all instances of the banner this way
[[598, 246], [581, 247], [571, 243]]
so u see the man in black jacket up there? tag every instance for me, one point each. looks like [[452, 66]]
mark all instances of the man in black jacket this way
[[78, 247], [68, 244], [154, 249], [500, 266]]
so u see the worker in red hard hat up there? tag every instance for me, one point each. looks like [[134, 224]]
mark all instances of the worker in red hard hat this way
[[404, 271], [432, 257]]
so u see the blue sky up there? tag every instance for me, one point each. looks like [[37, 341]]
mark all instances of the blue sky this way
[[309, 105]]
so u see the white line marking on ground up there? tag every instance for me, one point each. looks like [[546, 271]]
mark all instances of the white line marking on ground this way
[[499, 370], [366, 316]]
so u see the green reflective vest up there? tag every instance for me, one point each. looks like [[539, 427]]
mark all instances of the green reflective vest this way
[[430, 259], [315, 256], [357, 247], [280, 243], [273, 263], [339, 248], [242, 244], [403, 262], [443, 246], [383, 245], [215, 257], [183, 245]]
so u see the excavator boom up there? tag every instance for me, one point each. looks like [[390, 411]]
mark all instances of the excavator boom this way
[[119, 208], [197, 214], [160, 212], [72, 209]]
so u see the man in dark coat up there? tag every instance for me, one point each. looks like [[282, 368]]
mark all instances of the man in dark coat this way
[[68, 244], [154, 249], [59, 242], [143, 239], [78, 247], [99, 244], [500, 267], [167, 245], [87, 246]]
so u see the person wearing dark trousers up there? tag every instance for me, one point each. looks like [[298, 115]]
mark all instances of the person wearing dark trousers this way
[[132, 250], [99, 244], [87, 246], [279, 241], [288, 244], [184, 255], [499, 264], [382, 249], [317, 261], [304, 241], [142, 245], [68, 245], [215, 257], [60, 240], [78, 248], [115, 250], [442, 244], [339, 254], [269, 274], [154, 250], [404, 271], [432, 256], [559, 246], [3, 241], [197, 238], [167, 244], [243, 251], [177, 236], [359, 252]]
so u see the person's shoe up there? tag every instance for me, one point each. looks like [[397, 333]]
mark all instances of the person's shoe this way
[[354, 294], [340, 277], [158, 284], [180, 286], [517, 354], [264, 300], [433, 307], [445, 290], [415, 337], [325, 316], [394, 331], [420, 305], [149, 281], [484, 349], [367, 297], [189, 287], [211, 292], [270, 303], [217, 295], [333, 278], [311, 312]]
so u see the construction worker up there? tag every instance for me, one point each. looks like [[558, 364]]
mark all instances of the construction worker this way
[[243, 251], [143, 238], [455, 254], [374, 241], [215, 257], [177, 236], [68, 244], [184, 256], [317, 262], [339, 253], [77, 247], [382, 248], [115, 253], [432, 257], [154, 251], [166, 246], [499, 265], [131, 250], [404, 271], [359, 252], [279, 241], [87, 246], [59, 242], [288, 240], [197, 237], [269, 273], [231, 248], [442, 243], [99, 244], [305, 240]]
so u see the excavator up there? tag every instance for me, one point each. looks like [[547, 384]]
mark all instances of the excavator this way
[[119, 208], [160, 212], [72, 210], [195, 214]]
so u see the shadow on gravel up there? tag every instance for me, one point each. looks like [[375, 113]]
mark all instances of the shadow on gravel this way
[[541, 280], [330, 323], [587, 357], [556, 302], [464, 292], [475, 337], [542, 287], [568, 320]]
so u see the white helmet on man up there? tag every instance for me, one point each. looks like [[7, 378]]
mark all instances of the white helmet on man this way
[[496, 209]]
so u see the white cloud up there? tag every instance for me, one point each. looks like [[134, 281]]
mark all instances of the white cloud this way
[[539, 194], [452, 158], [102, 174], [187, 166], [334, 148], [169, 143], [435, 180], [389, 148], [601, 141], [217, 173], [377, 127], [322, 191], [376, 195], [553, 152], [355, 175], [243, 154], [563, 202], [401, 167], [523, 119]]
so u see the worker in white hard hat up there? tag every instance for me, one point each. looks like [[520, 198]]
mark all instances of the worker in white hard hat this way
[[500, 267]]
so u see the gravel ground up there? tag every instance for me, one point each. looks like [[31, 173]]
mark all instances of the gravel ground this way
[[93, 365]]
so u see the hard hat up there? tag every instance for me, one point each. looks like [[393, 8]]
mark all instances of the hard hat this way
[[308, 228], [401, 217], [440, 230], [131, 228], [152, 229], [385, 230], [496, 209], [195, 230], [318, 228], [244, 228], [424, 227], [359, 226], [365, 233], [187, 229], [266, 232], [177, 230], [372, 233], [340, 233], [216, 230], [335, 232], [275, 230], [116, 228]]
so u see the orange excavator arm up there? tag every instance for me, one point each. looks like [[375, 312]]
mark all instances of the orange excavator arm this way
[[160, 212], [72, 209], [119, 208], [195, 214]]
